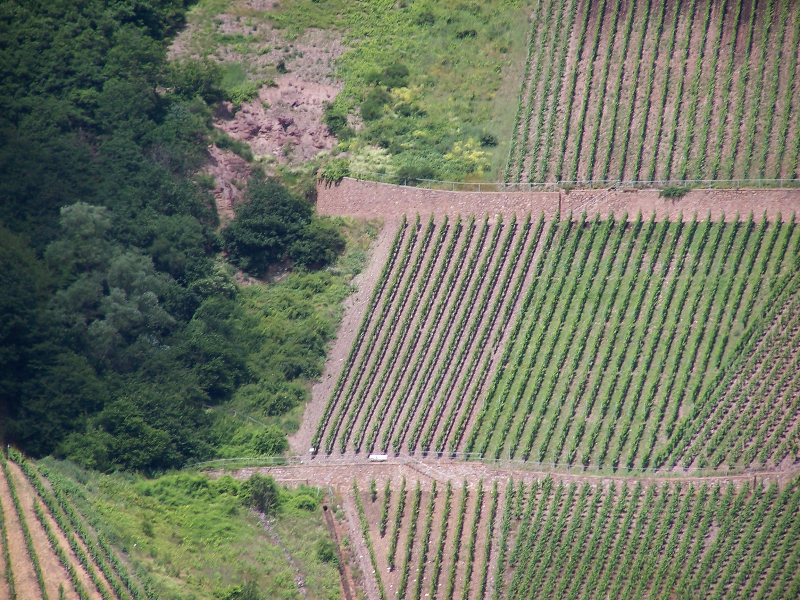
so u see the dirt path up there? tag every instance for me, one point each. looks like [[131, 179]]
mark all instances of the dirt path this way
[[340, 474], [370, 199], [354, 306], [344, 571]]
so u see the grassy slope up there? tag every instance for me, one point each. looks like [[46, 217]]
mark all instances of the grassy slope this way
[[194, 537], [465, 61]]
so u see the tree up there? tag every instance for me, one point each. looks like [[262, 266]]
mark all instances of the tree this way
[[274, 225]]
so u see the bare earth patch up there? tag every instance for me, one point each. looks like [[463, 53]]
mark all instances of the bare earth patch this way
[[284, 124], [229, 172]]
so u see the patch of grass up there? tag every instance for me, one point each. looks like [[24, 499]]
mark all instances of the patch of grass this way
[[235, 74], [463, 61], [196, 538]]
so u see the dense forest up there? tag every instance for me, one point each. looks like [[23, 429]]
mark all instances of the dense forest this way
[[121, 324]]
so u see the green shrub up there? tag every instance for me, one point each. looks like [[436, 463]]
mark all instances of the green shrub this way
[[395, 75], [194, 77], [333, 172], [319, 246], [305, 502], [372, 107], [425, 18], [238, 147], [270, 441], [335, 119], [674, 192], [248, 591], [416, 170], [326, 552], [262, 493], [488, 140], [244, 92]]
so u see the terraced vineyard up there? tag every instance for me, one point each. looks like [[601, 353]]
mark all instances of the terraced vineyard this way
[[545, 539], [657, 89], [610, 344], [49, 548]]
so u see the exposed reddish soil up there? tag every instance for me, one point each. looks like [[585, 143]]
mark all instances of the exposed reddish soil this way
[[284, 124], [230, 174]]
